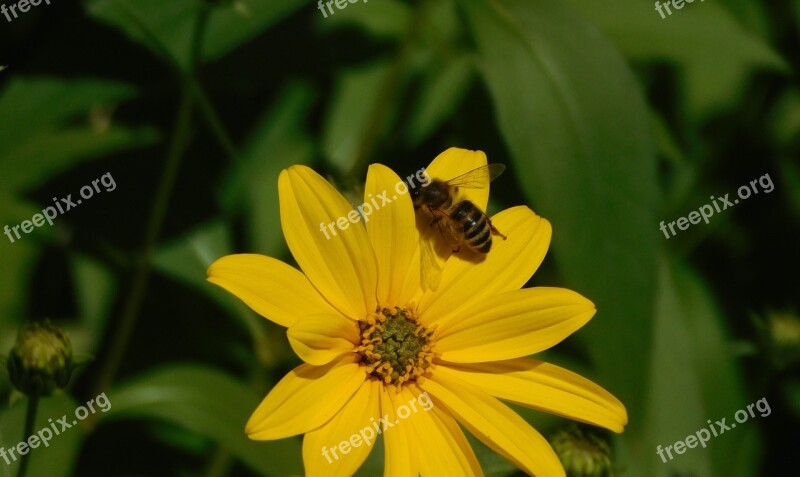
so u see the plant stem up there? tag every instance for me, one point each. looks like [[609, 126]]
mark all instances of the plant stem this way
[[133, 304], [213, 121], [177, 148], [30, 421]]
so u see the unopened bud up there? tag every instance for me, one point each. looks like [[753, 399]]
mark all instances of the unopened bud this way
[[41, 360], [582, 452], [780, 337]]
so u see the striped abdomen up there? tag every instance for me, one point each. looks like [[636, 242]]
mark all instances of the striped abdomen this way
[[473, 225]]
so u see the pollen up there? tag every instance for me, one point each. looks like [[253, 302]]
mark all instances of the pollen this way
[[395, 348]]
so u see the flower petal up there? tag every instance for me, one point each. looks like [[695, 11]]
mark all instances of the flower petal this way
[[443, 448], [319, 339], [272, 288], [545, 387], [305, 399], [495, 424], [514, 324], [339, 447], [340, 263], [394, 236], [402, 458], [507, 266], [456, 161]]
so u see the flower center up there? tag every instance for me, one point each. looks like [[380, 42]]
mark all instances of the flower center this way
[[395, 348]]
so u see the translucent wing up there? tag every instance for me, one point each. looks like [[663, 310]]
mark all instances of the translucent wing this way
[[430, 264], [478, 178], [436, 246]]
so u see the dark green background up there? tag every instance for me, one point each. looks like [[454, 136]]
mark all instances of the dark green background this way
[[610, 118]]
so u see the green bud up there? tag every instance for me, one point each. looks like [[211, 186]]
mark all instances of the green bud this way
[[582, 452], [780, 337], [41, 360]]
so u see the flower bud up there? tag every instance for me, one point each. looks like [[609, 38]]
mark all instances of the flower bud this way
[[780, 337], [582, 452], [41, 360]]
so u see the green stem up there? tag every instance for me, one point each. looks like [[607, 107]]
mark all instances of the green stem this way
[[130, 311], [30, 421], [213, 121], [177, 148]]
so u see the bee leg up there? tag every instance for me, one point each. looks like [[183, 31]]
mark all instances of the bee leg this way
[[495, 231]]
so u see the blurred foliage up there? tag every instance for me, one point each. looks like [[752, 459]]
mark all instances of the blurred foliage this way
[[610, 118]]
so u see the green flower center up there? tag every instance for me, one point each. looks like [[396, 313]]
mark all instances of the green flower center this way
[[395, 348]]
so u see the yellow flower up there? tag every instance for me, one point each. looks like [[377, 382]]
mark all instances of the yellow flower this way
[[375, 345]]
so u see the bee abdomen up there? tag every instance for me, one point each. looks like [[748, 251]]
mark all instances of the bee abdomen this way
[[475, 227]]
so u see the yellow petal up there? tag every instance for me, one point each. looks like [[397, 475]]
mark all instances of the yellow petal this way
[[341, 264], [305, 399], [443, 448], [341, 445], [455, 162], [319, 339], [507, 266], [270, 287], [495, 424], [545, 387], [513, 324], [401, 456], [392, 231]]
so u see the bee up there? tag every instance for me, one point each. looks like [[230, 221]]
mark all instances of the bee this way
[[459, 221]]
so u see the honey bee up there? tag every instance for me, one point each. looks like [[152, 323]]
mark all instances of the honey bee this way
[[460, 222]]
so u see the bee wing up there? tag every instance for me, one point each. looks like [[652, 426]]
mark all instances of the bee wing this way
[[430, 264], [478, 178], [436, 246]]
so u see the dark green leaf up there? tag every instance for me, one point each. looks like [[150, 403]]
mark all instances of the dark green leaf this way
[[349, 117], [577, 128], [278, 141], [208, 403], [95, 290], [442, 92], [384, 19], [703, 38], [167, 27], [52, 152]]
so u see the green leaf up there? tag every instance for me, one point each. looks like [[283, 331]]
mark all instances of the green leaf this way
[[209, 403], [693, 365], [95, 291], [164, 27], [44, 127], [167, 27], [715, 364], [349, 117], [53, 151], [278, 141], [674, 379], [703, 38], [443, 89], [577, 129], [234, 23], [16, 260], [187, 259], [30, 105], [61, 454], [384, 19]]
